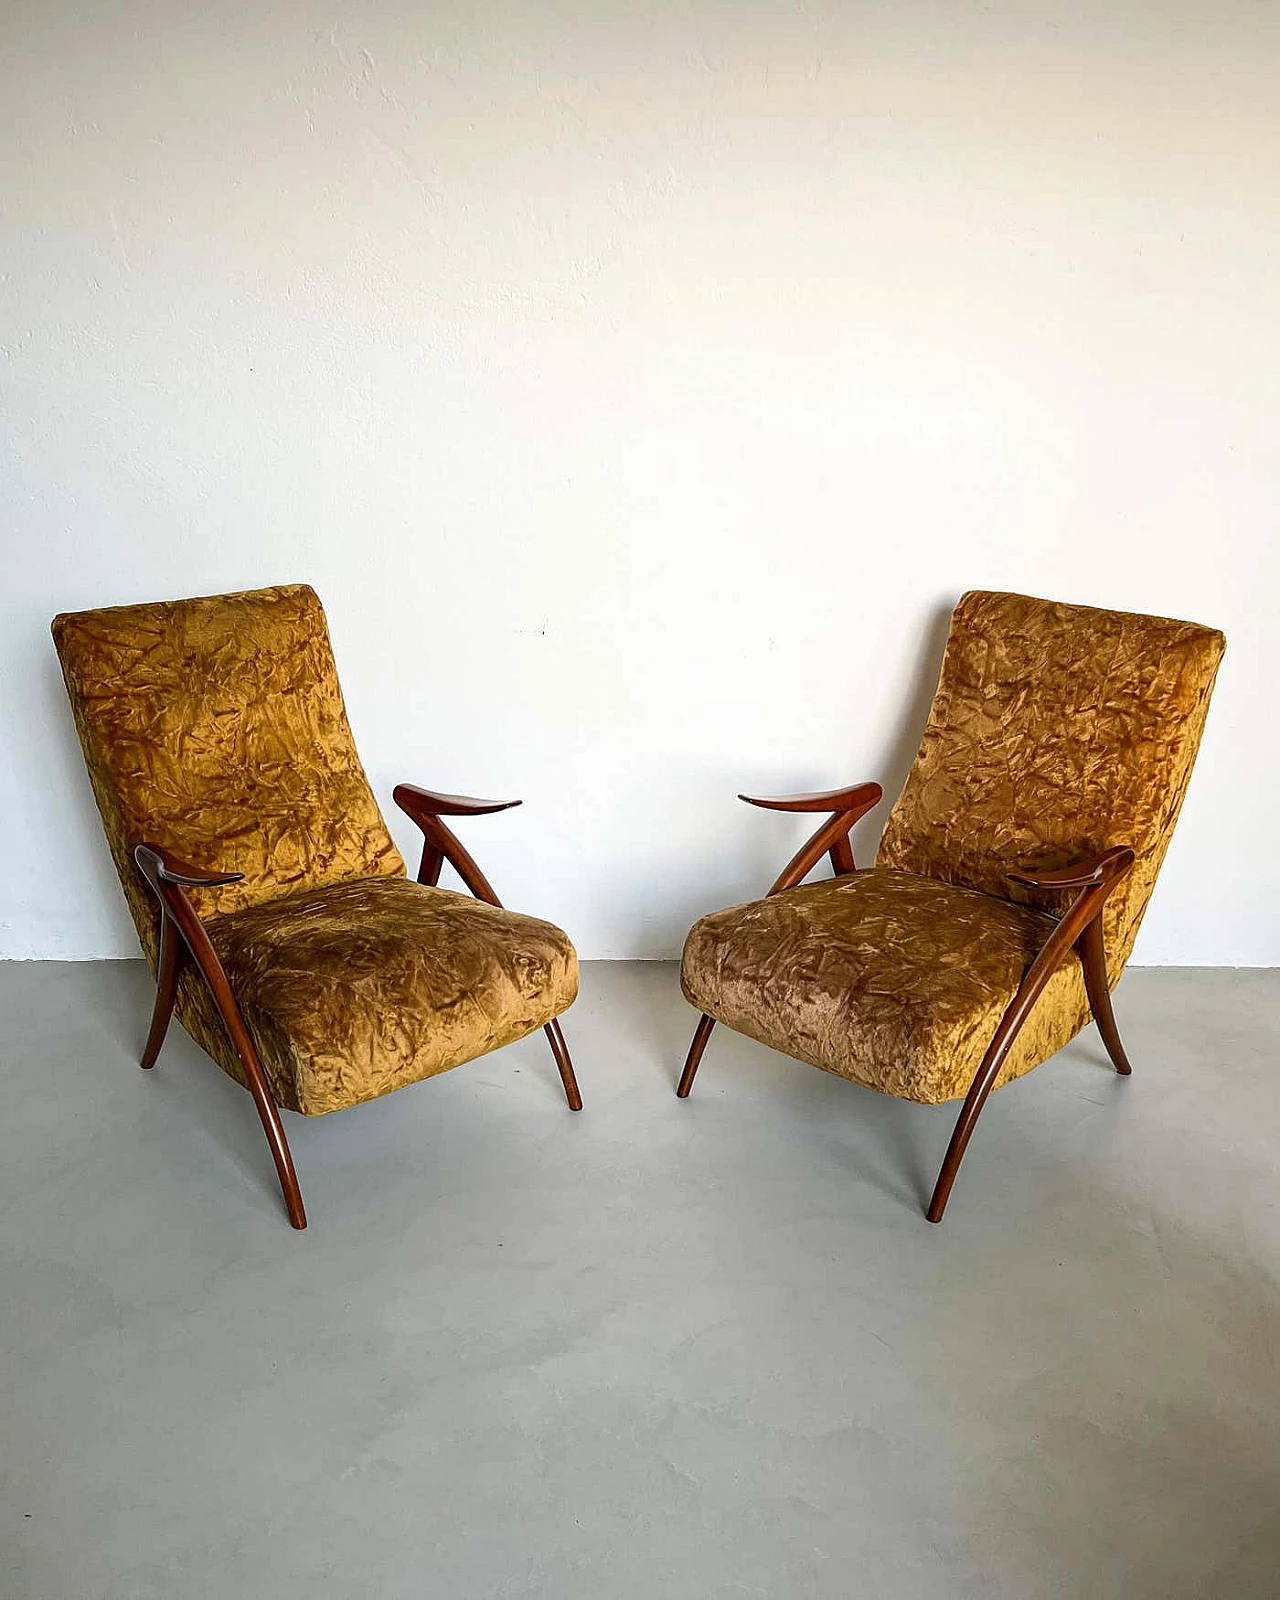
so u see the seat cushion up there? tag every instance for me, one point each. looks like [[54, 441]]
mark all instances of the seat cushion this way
[[356, 989], [894, 980]]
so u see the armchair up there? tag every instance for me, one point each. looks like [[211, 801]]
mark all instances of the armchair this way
[[1054, 764], [298, 954]]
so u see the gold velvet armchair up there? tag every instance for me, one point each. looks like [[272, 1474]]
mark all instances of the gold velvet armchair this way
[[1012, 875], [296, 952]]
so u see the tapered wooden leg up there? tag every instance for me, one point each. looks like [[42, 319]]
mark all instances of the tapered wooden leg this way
[[1080, 928], [269, 1114], [268, 1111], [560, 1050], [166, 991], [701, 1034], [169, 883], [1019, 1009], [1093, 958], [960, 1136]]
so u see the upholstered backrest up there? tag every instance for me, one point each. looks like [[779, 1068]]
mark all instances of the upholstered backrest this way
[[215, 728], [1056, 731]]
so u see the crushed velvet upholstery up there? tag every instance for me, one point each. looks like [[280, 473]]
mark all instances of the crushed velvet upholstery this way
[[894, 980], [1056, 731], [215, 729], [356, 989]]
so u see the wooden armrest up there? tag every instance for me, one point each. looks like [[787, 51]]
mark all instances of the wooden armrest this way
[[845, 806], [440, 843], [1105, 868], [169, 869], [860, 797], [418, 803]]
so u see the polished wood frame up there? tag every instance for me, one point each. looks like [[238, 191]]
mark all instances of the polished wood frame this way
[[441, 844], [1078, 930], [183, 935], [182, 930]]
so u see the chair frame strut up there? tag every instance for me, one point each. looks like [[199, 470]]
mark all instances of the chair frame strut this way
[[441, 844], [181, 929], [183, 933], [1079, 929]]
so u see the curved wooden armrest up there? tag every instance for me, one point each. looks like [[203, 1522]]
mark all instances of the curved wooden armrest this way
[[831, 838], [1106, 868], [440, 843], [860, 797], [167, 868], [418, 803]]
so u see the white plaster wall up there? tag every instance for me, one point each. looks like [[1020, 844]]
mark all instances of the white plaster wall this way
[[639, 384]]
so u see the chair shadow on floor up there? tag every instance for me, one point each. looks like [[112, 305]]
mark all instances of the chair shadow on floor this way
[[188, 1087]]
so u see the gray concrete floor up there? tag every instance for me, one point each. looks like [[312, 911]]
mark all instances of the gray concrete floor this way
[[660, 1349]]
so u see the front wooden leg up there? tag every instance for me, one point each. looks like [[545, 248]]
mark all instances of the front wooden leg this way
[[264, 1100], [1080, 928], [169, 882]]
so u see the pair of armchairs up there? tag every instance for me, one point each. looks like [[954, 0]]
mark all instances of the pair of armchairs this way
[[277, 915]]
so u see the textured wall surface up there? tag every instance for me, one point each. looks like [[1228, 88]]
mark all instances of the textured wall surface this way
[[639, 384]]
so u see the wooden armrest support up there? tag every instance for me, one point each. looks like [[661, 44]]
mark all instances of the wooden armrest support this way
[[440, 843], [1108, 868], [418, 803], [831, 838], [169, 869], [860, 797]]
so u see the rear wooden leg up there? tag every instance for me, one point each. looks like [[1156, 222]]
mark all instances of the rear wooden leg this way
[[166, 991], [701, 1034], [1093, 958], [560, 1050]]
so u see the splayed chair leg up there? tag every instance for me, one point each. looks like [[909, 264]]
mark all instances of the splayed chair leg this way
[[560, 1050], [701, 1034], [1080, 928], [268, 1111], [984, 1080], [269, 1114], [960, 1136], [166, 991], [169, 881], [1093, 958], [259, 1088], [1032, 986]]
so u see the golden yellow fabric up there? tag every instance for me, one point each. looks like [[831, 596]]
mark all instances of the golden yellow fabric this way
[[893, 980], [357, 989], [1056, 731], [215, 728]]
